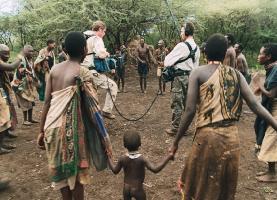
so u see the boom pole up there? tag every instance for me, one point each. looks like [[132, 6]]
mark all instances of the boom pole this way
[[172, 16]]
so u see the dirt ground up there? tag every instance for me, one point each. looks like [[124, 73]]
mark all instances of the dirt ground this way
[[27, 165]]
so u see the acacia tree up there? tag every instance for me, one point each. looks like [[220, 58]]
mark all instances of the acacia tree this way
[[127, 18], [6, 32], [39, 20]]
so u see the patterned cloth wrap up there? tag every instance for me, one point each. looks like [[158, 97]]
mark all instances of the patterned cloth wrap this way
[[75, 135], [212, 165]]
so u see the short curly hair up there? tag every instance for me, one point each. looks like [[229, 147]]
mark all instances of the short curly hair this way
[[132, 141], [75, 42], [271, 49], [216, 47]]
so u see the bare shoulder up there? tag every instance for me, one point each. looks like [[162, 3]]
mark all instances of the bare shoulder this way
[[203, 73], [124, 157], [143, 159], [243, 57], [240, 58], [57, 68], [231, 51], [123, 160], [201, 69], [41, 52]]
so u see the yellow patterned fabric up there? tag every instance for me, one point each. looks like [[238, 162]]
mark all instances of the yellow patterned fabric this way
[[220, 97]]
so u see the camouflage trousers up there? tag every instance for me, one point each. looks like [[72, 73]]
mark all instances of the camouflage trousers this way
[[178, 101]]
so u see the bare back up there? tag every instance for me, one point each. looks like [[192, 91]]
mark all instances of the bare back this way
[[204, 72], [134, 170], [63, 75]]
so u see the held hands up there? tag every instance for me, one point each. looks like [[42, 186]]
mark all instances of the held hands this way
[[172, 152], [108, 146], [109, 151], [170, 156], [180, 185], [173, 149]]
